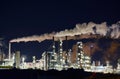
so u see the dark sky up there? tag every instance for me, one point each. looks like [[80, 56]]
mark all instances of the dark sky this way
[[23, 18]]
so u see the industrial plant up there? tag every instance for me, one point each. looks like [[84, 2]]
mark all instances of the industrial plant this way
[[76, 57]]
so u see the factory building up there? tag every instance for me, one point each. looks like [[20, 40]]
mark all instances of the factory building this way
[[83, 60], [62, 59], [60, 53], [76, 58], [52, 57], [49, 60]]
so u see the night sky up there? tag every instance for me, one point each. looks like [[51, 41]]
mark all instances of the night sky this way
[[26, 18]]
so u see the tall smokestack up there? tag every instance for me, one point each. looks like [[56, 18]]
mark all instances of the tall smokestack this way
[[9, 50], [66, 49], [52, 57], [66, 44], [53, 45], [53, 39], [60, 52], [66, 41]]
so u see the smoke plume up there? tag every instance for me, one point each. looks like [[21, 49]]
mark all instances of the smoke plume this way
[[34, 38], [83, 30]]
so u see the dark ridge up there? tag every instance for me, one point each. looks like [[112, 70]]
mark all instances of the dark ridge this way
[[53, 74]]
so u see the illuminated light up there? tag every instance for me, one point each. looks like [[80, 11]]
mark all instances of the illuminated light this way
[[87, 61], [60, 44], [23, 59], [60, 49], [60, 59], [60, 52], [53, 46], [86, 57], [78, 42], [79, 46], [78, 53]]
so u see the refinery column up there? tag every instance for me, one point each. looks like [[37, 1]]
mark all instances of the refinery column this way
[[80, 55], [61, 53], [66, 49], [17, 59], [52, 58]]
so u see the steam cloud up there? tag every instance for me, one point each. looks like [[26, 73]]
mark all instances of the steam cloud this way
[[34, 38], [102, 29]]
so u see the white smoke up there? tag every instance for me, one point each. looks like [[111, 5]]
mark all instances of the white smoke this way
[[102, 29], [116, 31], [85, 29], [38, 38]]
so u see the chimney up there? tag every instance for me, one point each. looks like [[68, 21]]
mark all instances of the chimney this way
[[53, 45], [66, 49], [66, 42], [53, 38], [9, 51]]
